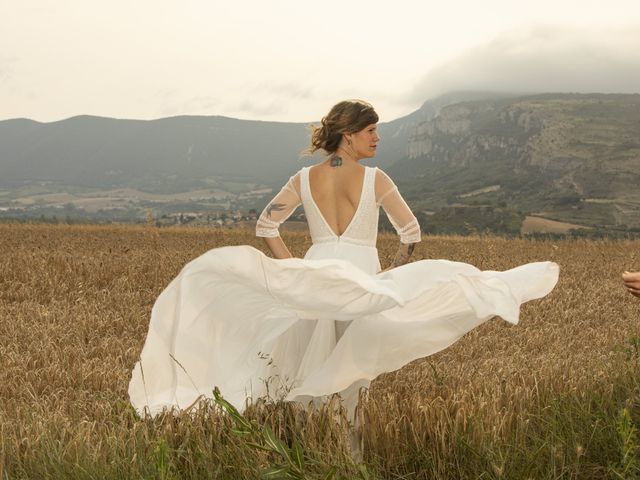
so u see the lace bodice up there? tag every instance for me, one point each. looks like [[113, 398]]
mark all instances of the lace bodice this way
[[378, 190]]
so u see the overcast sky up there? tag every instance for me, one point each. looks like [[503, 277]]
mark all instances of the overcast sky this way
[[290, 60]]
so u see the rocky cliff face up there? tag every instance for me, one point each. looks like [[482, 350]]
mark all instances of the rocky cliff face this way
[[575, 157], [469, 132], [541, 128], [397, 134]]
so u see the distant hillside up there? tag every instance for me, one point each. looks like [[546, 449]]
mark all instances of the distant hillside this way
[[176, 153], [467, 162], [172, 153], [568, 157]]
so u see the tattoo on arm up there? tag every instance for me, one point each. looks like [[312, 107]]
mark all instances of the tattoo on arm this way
[[277, 207], [403, 254]]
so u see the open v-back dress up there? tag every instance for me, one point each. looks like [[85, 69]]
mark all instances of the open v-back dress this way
[[302, 329]]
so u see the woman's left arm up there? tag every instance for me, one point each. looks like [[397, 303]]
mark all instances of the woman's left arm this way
[[400, 216], [404, 252]]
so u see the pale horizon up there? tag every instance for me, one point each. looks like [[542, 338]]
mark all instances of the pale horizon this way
[[289, 62]]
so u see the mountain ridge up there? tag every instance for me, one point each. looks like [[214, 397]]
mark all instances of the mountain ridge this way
[[576, 156], [570, 157]]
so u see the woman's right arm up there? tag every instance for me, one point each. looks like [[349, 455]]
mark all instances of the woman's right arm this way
[[400, 216], [277, 211]]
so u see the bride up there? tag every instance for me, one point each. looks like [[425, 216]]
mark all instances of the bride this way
[[303, 329]]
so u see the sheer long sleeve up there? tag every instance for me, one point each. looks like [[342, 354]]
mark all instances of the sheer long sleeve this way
[[399, 213], [279, 208]]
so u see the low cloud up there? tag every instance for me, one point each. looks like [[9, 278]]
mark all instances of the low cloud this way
[[261, 108], [288, 90], [196, 105], [266, 100], [165, 93], [7, 68], [542, 59]]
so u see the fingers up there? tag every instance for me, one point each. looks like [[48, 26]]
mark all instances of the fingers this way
[[631, 282], [634, 291], [631, 276]]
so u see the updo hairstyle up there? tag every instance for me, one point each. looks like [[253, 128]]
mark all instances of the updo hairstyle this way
[[348, 116]]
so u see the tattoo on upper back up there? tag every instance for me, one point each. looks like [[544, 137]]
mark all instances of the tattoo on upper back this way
[[275, 207]]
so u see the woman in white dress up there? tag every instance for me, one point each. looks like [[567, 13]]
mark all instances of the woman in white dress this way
[[341, 200], [303, 329]]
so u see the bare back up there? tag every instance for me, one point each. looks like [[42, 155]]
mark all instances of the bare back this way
[[341, 204], [336, 191]]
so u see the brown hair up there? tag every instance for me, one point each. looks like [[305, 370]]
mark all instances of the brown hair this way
[[348, 116]]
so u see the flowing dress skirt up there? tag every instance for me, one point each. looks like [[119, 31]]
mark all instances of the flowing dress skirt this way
[[302, 329]]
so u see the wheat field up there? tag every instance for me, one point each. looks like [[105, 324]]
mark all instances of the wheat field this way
[[557, 396]]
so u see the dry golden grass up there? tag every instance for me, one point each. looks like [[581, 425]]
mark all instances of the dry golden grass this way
[[533, 224], [538, 400]]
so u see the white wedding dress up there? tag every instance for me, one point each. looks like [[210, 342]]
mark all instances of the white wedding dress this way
[[302, 329]]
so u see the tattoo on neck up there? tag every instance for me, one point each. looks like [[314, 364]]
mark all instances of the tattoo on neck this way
[[336, 161]]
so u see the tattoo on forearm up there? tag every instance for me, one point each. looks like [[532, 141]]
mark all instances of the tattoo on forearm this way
[[403, 254], [277, 207]]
